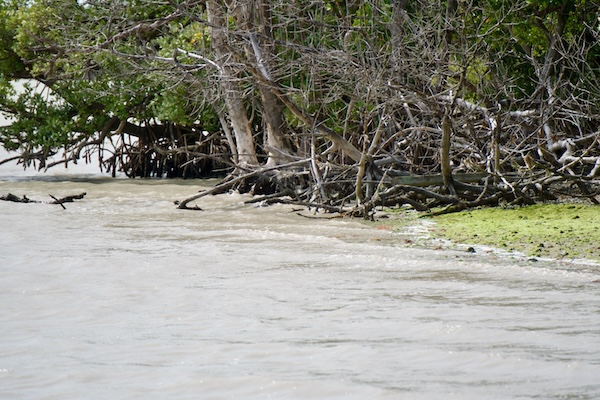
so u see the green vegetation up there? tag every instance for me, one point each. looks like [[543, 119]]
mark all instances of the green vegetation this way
[[545, 230]]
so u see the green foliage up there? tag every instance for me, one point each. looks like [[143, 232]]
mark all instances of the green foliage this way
[[87, 87], [11, 64], [521, 35], [331, 55], [44, 126]]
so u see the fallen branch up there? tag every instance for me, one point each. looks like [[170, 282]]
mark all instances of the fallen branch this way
[[61, 201], [17, 199], [308, 204], [229, 184], [68, 199]]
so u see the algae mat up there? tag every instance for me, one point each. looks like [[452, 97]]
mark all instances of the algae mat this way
[[546, 230]]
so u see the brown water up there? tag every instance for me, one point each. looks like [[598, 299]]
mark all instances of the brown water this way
[[122, 296]]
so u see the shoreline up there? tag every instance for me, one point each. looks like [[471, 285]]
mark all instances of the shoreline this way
[[563, 233]]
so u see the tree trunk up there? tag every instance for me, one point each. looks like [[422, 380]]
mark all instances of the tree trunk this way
[[231, 92], [445, 155], [273, 117]]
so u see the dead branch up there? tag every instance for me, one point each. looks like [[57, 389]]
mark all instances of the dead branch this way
[[59, 201]]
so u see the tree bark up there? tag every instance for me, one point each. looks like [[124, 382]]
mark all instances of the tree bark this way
[[261, 50], [445, 154], [231, 92]]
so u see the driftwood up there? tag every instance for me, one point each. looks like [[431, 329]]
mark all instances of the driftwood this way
[[59, 201], [420, 192], [230, 182], [17, 199]]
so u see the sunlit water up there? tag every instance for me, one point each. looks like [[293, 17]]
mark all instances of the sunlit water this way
[[122, 296]]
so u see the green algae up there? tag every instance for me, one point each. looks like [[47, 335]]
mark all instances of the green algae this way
[[556, 231]]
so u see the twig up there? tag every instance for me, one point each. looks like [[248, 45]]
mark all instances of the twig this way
[[56, 201]]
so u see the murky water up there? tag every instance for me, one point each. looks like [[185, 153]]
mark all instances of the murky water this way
[[122, 296]]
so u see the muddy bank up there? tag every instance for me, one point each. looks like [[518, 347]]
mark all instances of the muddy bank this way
[[555, 231]]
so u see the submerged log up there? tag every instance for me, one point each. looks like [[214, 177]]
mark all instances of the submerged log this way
[[17, 199], [59, 201], [68, 199]]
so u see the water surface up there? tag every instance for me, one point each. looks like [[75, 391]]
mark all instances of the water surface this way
[[123, 296]]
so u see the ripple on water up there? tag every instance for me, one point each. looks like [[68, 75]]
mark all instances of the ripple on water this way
[[121, 296]]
